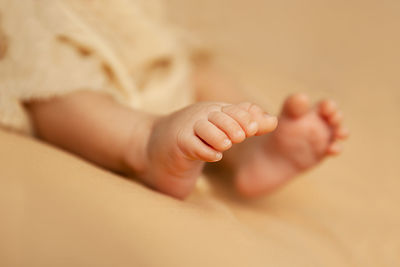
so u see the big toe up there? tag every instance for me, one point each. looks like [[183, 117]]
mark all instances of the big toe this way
[[296, 105]]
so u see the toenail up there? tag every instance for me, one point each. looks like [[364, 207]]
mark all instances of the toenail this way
[[227, 143], [253, 126], [240, 135], [218, 156]]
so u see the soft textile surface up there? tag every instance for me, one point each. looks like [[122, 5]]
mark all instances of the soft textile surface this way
[[123, 48], [58, 210]]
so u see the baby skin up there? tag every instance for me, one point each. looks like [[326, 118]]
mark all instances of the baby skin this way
[[304, 137], [169, 152], [182, 142]]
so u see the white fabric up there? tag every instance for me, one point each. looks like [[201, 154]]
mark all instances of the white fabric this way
[[120, 47]]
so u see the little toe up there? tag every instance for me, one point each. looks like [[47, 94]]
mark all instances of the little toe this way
[[341, 133], [243, 118], [204, 152], [335, 119], [228, 125], [296, 105], [327, 108], [212, 135], [334, 149]]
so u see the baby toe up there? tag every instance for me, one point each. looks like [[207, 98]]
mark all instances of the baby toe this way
[[335, 119], [296, 105], [212, 135], [243, 118], [228, 125], [334, 149], [327, 108], [341, 133], [204, 152], [266, 123]]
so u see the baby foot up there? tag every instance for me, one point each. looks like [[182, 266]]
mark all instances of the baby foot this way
[[302, 139], [182, 142]]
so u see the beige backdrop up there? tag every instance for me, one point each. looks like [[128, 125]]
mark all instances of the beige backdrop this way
[[57, 210], [347, 50]]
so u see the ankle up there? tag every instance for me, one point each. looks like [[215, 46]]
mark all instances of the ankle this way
[[135, 155]]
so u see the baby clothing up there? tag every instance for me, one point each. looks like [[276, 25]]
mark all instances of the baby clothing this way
[[123, 48]]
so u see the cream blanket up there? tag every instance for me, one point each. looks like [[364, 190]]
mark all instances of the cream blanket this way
[[122, 47]]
